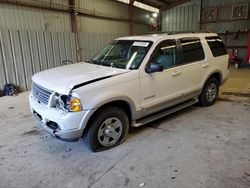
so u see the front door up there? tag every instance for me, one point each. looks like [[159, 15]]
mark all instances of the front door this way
[[161, 89]]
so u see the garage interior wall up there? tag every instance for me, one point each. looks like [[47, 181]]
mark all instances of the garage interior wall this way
[[185, 17], [232, 39], [190, 17], [32, 39], [95, 33]]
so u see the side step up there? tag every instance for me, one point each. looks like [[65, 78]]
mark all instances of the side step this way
[[163, 113]]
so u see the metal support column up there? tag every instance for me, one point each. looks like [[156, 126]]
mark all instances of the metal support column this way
[[131, 17], [74, 27]]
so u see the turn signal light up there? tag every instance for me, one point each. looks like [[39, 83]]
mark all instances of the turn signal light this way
[[75, 105]]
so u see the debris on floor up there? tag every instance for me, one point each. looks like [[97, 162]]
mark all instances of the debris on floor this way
[[141, 184]]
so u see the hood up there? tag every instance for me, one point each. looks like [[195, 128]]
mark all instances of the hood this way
[[63, 79]]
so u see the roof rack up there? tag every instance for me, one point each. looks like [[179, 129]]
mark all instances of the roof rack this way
[[153, 33], [183, 32], [174, 32]]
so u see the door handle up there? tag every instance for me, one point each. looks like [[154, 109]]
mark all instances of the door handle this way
[[205, 65], [176, 73]]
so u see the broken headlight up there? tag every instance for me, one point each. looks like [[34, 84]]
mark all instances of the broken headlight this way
[[67, 103]]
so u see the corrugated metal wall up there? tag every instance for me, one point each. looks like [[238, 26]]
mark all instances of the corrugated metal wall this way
[[233, 26], [23, 53], [91, 43], [96, 33], [182, 18], [143, 16], [111, 9], [224, 13], [105, 7], [187, 17], [88, 24], [18, 17], [225, 23], [213, 3], [32, 40], [139, 28]]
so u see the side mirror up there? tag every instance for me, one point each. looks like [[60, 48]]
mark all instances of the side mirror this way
[[154, 67]]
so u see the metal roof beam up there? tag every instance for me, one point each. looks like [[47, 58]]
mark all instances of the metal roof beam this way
[[149, 3], [176, 3], [19, 3], [164, 2]]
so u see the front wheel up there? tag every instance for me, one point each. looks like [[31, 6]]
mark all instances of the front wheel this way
[[209, 93], [107, 129]]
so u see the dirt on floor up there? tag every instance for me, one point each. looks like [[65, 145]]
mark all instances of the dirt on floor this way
[[237, 87], [196, 147]]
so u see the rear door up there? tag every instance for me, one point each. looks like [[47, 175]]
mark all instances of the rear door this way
[[193, 64]]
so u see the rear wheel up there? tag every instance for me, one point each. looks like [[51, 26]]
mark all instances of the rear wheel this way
[[108, 129], [209, 93]]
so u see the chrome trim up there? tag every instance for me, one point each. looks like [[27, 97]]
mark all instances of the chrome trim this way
[[41, 94], [163, 113], [168, 103]]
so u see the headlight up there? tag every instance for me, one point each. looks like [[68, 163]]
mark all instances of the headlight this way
[[67, 103]]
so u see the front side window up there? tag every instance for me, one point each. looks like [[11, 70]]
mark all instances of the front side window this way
[[191, 50], [124, 54], [165, 54], [216, 45]]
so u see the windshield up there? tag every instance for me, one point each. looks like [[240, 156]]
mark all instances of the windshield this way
[[124, 54]]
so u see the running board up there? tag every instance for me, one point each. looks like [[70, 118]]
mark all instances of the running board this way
[[163, 113]]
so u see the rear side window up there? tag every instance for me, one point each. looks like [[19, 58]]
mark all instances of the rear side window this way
[[191, 50], [216, 45]]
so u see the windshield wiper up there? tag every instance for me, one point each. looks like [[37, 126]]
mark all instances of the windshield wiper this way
[[94, 62], [103, 63], [91, 61]]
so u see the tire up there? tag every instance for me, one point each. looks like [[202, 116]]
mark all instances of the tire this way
[[108, 129], [209, 93]]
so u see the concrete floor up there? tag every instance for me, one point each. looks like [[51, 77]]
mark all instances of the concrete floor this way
[[196, 147]]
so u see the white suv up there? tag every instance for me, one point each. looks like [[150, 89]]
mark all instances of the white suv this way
[[130, 82]]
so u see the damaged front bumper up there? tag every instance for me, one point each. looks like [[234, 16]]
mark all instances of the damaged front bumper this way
[[69, 135], [67, 126]]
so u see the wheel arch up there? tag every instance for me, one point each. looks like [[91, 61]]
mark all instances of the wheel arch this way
[[123, 103], [216, 74], [202, 98]]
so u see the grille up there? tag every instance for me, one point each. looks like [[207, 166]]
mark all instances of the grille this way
[[40, 93]]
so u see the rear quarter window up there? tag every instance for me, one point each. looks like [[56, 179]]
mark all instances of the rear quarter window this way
[[216, 46]]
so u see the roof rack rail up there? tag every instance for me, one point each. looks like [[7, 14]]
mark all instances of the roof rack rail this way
[[152, 33], [174, 32], [183, 32]]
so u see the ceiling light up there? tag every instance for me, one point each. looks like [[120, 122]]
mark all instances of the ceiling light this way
[[155, 15]]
